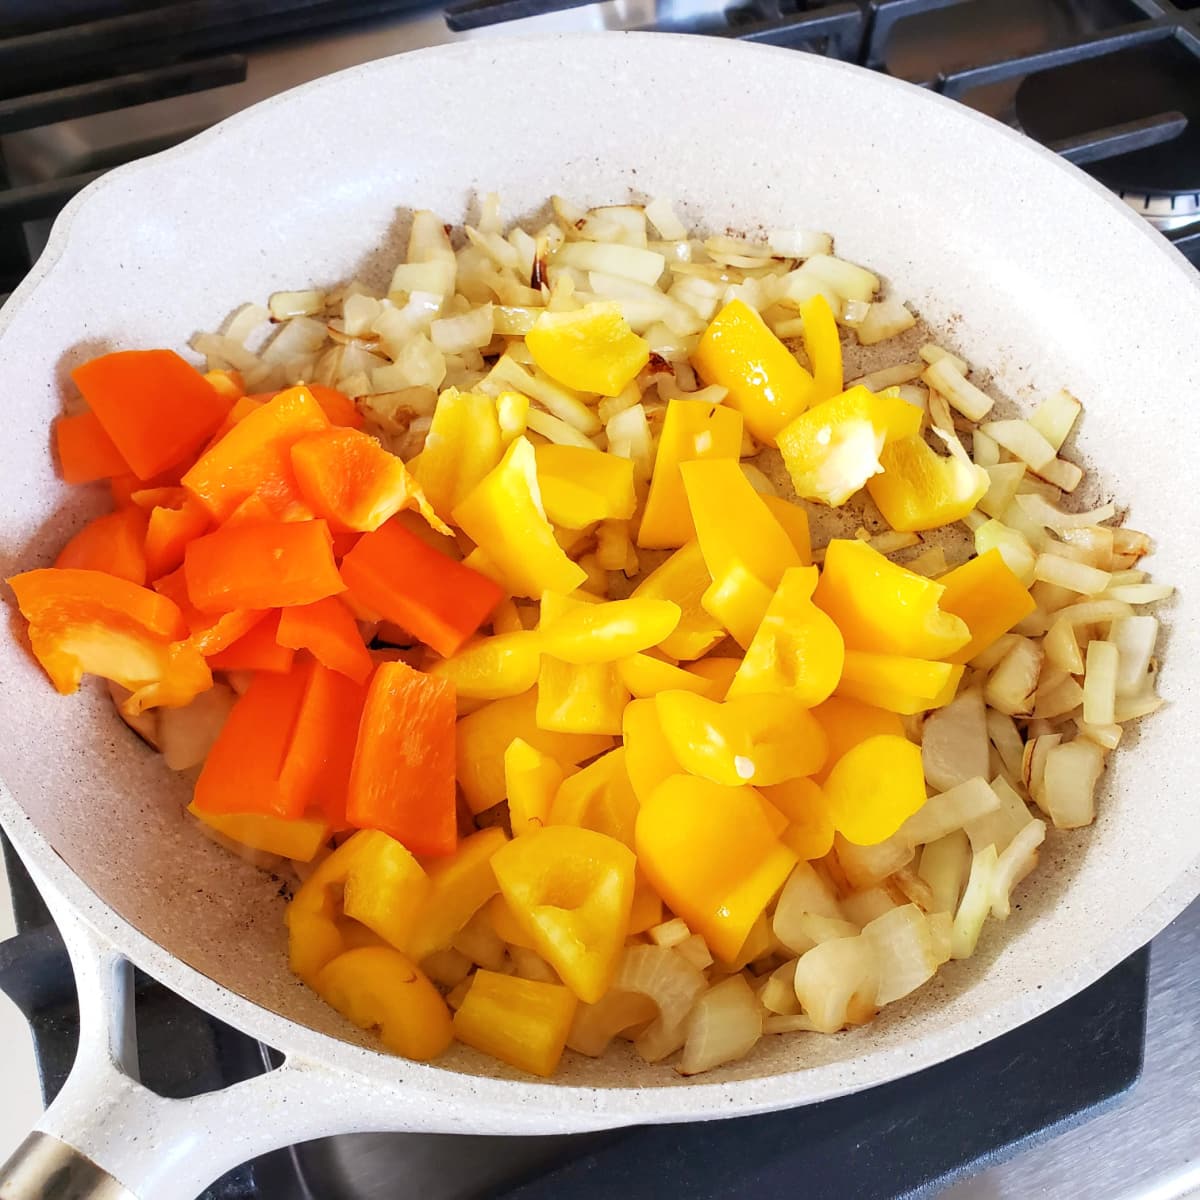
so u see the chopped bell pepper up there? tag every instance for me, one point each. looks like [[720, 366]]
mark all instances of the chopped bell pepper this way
[[847, 722], [348, 478], [796, 649], [258, 649], [505, 924], [531, 780], [89, 622], [504, 516], [919, 489], [766, 384], [831, 450], [462, 447], [401, 578], [403, 776], [719, 671], [209, 632], [174, 521], [693, 430], [580, 487], [647, 908], [85, 452], [580, 698], [739, 599], [337, 406], [298, 839], [823, 346], [885, 608], [683, 579], [460, 886], [491, 668], [254, 457], [329, 632], [571, 890], [645, 676], [608, 631], [592, 349], [598, 797], [484, 735], [794, 520], [898, 683], [113, 543], [518, 1021], [986, 594], [710, 854], [512, 410], [874, 788], [376, 987], [270, 565], [755, 739], [648, 757], [156, 409], [809, 831]]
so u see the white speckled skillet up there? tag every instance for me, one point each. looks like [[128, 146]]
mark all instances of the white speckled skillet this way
[[1038, 273]]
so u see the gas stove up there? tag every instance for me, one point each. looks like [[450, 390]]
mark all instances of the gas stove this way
[[1099, 1099]]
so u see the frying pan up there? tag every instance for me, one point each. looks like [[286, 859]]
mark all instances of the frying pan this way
[[1008, 252]]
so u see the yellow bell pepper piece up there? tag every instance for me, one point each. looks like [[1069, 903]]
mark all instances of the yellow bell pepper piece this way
[[462, 446], [986, 594], [809, 831], [518, 1021], [581, 487], [710, 854], [683, 579], [491, 668], [919, 489], [459, 887], [795, 524], [379, 988], [483, 737], [531, 780], [503, 515], [874, 788], [897, 683], [645, 676], [647, 909], [757, 739], [599, 797], [739, 600], [797, 648], [831, 450], [847, 722], [719, 671], [608, 631], [692, 431], [592, 349], [580, 698], [505, 924], [648, 757], [511, 410], [885, 608], [296, 839], [506, 617], [823, 346], [766, 384], [571, 890]]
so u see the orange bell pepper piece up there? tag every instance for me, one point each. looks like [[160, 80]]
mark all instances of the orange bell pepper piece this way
[[403, 776], [399, 577], [176, 518], [89, 622], [986, 594], [252, 509], [337, 406], [156, 409], [85, 451], [258, 649], [261, 566], [254, 457], [351, 480], [329, 632], [112, 543], [209, 633]]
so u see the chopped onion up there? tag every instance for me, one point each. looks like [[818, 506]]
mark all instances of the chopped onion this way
[[480, 942], [661, 214], [941, 933], [1141, 593], [999, 827], [797, 243], [1057, 698], [669, 933], [1036, 509], [1004, 478], [805, 893], [1134, 638], [1020, 439], [1014, 863], [695, 950], [867, 865], [629, 436], [1062, 647], [282, 306], [1130, 708], [1065, 572], [984, 450], [836, 983], [187, 734], [1055, 417], [565, 405], [672, 983], [778, 994], [1106, 736], [1100, 683], [595, 1025], [884, 319], [470, 331], [1011, 686], [864, 906], [555, 430], [1068, 785], [944, 867], [724, 1025], [1033, 763], [888, 377], [931, 563], [904, 952], [448, 967], [952, 809], [1066, 476], [797, 1023], [975, 904], [629, 261], [245, 321], [954, 743], [952, 383], [1006, 738], [932, 354]]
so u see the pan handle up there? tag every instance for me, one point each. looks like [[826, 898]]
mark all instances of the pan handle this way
[[106, 1137]]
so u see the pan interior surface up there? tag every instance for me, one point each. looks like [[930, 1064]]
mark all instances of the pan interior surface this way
[[1036, 275]]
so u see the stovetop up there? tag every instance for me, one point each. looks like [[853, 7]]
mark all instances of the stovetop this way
[[1099, 1099]]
